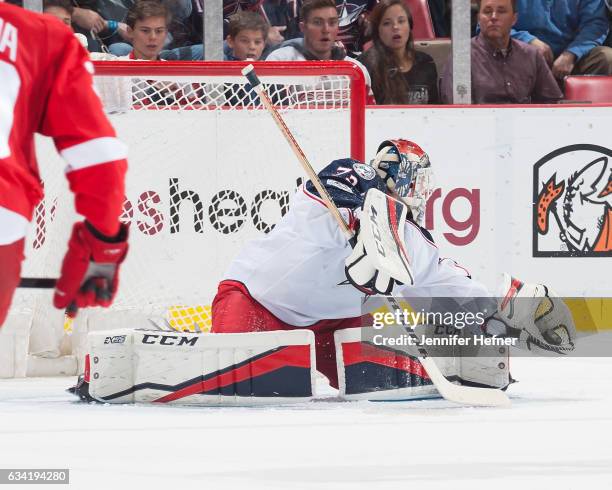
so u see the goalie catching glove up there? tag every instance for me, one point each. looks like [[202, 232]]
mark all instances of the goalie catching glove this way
[[379, 260], [90, 270], [536, 316]]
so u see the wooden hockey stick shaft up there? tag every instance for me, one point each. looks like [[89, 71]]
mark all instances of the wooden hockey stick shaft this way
[[249, 73], [460, 394]]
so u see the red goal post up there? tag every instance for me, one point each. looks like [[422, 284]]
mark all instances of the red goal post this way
[[357, 89]]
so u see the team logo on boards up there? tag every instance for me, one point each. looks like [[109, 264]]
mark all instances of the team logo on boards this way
[[572, 203]]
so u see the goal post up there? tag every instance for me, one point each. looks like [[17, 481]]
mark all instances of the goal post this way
[[208, 171]]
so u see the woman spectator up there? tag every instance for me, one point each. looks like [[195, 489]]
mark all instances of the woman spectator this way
[[400, 74]]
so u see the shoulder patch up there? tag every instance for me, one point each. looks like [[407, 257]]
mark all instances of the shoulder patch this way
[[364, 171]]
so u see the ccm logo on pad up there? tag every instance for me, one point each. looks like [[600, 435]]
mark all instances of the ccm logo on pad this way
[[168, 340]]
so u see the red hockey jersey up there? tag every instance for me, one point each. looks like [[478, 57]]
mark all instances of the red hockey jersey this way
[[47, 87]]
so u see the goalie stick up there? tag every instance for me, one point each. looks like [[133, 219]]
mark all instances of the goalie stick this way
[[467, 395]]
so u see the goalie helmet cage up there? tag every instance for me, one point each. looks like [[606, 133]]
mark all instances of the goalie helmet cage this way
[[208, 171]]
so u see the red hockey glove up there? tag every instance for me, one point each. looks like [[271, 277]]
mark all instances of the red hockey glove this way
[[90, 271]]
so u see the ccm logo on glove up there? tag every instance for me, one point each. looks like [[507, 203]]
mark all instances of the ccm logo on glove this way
[[376, 231]]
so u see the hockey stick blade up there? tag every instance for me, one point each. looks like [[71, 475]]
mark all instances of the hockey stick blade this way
[[37, 282], [466, 395]]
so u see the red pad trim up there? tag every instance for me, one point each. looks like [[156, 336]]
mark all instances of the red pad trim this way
[[86, 373], [294, 355], [358, 352], [393, 206]]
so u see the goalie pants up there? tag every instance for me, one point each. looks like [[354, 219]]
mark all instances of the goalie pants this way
[[234, 310], [11, 257]]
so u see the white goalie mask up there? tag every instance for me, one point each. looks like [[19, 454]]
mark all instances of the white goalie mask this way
[[406, 170]]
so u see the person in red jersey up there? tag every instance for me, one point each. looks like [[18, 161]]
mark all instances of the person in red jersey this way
[[47, 88]]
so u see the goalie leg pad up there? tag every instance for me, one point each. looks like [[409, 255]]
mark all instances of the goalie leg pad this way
[[467, 363], [367, 371], [151, 366]]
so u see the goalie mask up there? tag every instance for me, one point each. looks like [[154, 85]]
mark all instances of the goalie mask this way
[[406, 170]]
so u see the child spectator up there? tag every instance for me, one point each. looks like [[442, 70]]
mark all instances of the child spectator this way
[[246, 38], [400, 74], [147, 24]]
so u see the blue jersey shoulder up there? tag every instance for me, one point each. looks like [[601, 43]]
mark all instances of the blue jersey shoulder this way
[[347, 181]]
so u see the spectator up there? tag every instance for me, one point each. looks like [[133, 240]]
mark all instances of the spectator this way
[[504, 70], [353, 20], [193, 28], [231, 7], [569, 33], [62, 9], [179, 14], [283, 15], [147, 24], [400, 74], [246, 38], [320, 27], [99, 31]]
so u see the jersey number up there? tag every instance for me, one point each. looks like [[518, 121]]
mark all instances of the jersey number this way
[[8, 98], [347, 174]]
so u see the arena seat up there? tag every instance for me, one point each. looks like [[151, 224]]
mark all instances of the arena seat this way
[[588, 88], [439, 49], [423, 25]]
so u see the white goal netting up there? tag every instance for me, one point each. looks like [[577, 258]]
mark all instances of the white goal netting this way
[[208, 170]]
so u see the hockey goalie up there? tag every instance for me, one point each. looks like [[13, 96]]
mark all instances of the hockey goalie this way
[[304, 278]]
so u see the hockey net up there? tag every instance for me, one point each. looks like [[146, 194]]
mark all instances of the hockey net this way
[[208, 170]]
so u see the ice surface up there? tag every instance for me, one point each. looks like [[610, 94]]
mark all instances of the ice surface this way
[[557, 435]]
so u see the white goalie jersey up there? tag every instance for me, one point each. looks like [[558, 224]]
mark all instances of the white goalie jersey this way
[[297, 271]]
